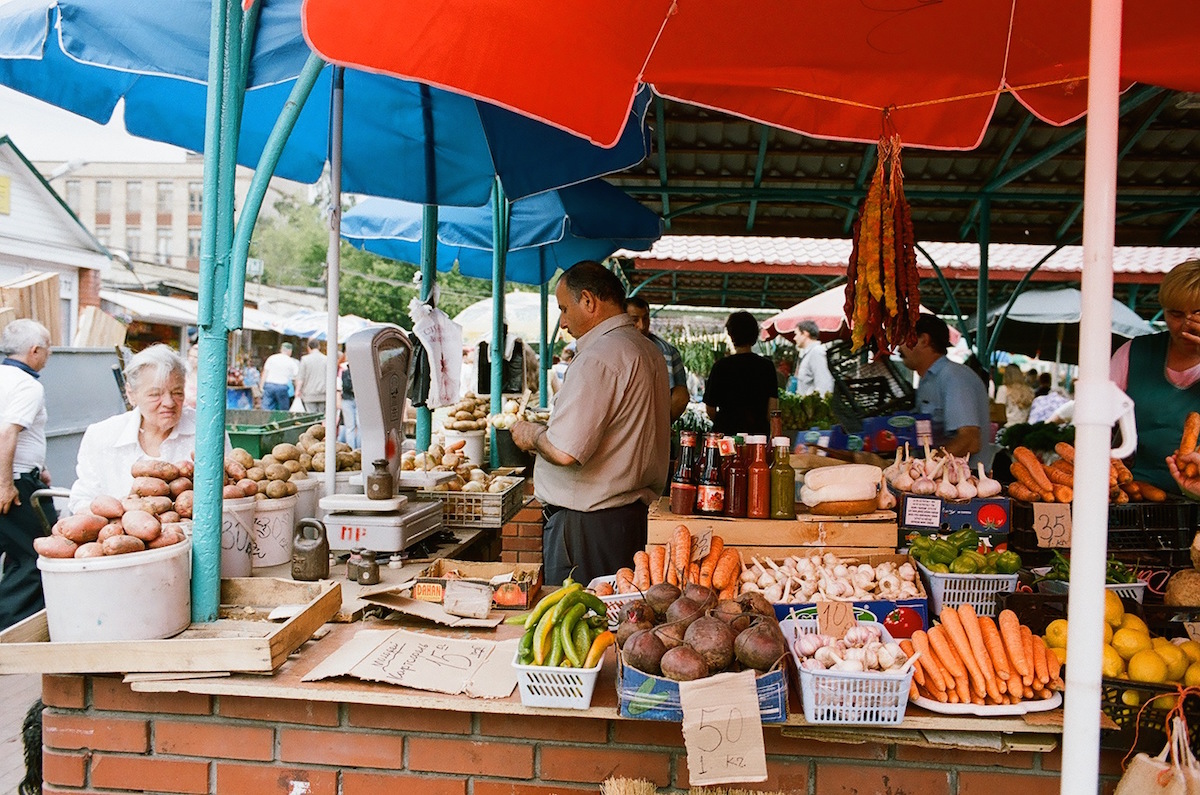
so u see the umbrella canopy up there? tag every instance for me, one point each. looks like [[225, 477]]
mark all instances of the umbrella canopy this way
[[522, 316], [826, 67], [313, 325], [827, 310], [547, 232], [401, 139], [1037, 318]]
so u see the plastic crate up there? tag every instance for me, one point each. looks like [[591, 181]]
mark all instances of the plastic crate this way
[[865, 387], [1148, 534], [953, 590], [614, 602], [1034, 610], [847, 698], [562, 688], [649, 697], [257, 431], [469, 509], [1143, 729], [1131, 590]]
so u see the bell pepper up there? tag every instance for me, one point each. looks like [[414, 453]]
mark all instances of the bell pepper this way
[[1008, 563], [964, 565], [942, 552], [920, 545], [938, 568], [964, 539], [980, 560]]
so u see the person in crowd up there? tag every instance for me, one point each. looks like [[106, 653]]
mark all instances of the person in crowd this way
[[950, 393], [604, 456], [637, 308], [192, 379], [1043, 406], [278, 376], [310, 382], [23, 454], [349, 408], [812, 366], [741, 390], [1161, 372], [252, 378], [559, 370], [159, 426], [1015, 395], [1043, 385]]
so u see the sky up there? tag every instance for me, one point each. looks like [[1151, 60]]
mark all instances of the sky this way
[[44, 132]]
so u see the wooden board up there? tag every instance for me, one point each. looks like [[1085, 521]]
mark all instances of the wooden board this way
[[98, 329], [876, 529], [240, 640], [35, 296]]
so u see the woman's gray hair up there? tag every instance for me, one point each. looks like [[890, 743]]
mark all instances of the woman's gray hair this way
[[154, 365], [20, 336]]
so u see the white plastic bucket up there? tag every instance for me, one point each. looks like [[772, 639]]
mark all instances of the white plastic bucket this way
[[237, 536], [306, 498], [274, 521], [473, 449], [341, 485], [136, 596]]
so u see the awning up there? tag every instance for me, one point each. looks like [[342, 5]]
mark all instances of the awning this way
[[169, 310]]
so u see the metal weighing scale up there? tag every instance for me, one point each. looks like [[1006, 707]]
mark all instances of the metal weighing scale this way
[[379, 357]]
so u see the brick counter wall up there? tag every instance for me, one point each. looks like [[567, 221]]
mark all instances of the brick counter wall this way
[[521, 539], [101, 737]]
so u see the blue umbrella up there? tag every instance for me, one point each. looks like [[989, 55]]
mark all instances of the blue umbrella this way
[[548, 231], [402, 140]]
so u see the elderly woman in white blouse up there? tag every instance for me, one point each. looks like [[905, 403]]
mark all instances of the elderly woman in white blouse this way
[[159, 427]]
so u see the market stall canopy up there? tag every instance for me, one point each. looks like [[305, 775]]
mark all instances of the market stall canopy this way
[[522, 315], [547, 232], [170, 310], [826, 68], [314, 325], [438, 147], [1038, 318], [826, 309]]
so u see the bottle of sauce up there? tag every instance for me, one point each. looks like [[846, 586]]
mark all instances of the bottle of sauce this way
[[783, 481], [683, 482], [776, 420], [710, 491], [737, 480], [758, 487]]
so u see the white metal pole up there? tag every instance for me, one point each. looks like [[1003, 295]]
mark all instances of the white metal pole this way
[[1089, 541], [334, 262]]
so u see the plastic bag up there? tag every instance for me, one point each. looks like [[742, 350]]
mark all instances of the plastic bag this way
[[297, 404], [1173, 772]]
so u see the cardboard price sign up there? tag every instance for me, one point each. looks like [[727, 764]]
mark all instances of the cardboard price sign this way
[[834, 618], [1052, 523], [722, 729]]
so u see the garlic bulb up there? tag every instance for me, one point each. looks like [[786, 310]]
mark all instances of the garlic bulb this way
[[987, 487], [966, 489], [946, 489]]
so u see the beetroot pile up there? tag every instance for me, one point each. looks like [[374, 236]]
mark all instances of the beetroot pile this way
[[689, 634]]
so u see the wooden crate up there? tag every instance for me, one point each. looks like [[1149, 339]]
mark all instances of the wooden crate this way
[[98, 329], [875, 530], [242, 639], [35, 296]]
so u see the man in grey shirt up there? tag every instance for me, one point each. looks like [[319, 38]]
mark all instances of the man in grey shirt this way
[[812, 366], [604, 456]]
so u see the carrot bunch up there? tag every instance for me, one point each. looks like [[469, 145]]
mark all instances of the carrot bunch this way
[[968, 658], [1028, 471], [672, 563]]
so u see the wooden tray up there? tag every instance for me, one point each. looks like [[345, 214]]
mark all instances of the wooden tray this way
[[242, 639]]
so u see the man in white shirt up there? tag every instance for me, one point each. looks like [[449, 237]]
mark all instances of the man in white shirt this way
[[22, 453], [812, 366], [310, 383], [278, 373]]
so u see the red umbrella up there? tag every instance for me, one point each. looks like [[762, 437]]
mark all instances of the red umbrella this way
[[826, 309], [821, 67]]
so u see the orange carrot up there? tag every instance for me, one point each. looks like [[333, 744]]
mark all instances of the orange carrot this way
[[1151, 492], [913, 692], [1058, 477], [1027, 645], [1133, 489], [1122, 472], [970, 624], [658, 562], [944, 652], [725, 573], [641, 570], [727, 594], [1027, 479], [1028, 459], [1041, 664], [681, 551], [1066, 451], [1063, 493], [995, 647], [953, 627], [693, 574], [1053, 666], [920, 642], [1020, 491], [625, 580], [1010, 633], [1191, 433], [715, 548]]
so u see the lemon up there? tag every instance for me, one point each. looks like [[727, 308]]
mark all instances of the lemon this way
[[1108, 632], [1131, 621], [1157, 643], [1177, 662], [1192, 649], [1166, 702], [1113, 609], [1191, 677], [1131, 698], [1147, 666], [1056, 633], [1060, 653], [1111, 663], [1129, 642]]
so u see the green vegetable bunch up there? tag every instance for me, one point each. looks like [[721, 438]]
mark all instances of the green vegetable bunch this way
[[1039, 436], [801, 412], [1115, 572]]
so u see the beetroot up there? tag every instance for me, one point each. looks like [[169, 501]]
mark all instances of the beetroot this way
[[683, 664], [684, 611], [732, 613], [670, 634], [660, 596], [760, 646], [635, 616], [700, 594], [755, 602], [644, 651], [712, 639]]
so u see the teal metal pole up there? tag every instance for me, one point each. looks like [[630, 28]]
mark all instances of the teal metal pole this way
[[499, 256], [429, 228], [983, 344], [226, 91], [544, 348]]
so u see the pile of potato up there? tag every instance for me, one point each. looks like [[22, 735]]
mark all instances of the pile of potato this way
[[310, 452], [149, 518], [512, 412], [271, 477], [468, 414], [442, 457]]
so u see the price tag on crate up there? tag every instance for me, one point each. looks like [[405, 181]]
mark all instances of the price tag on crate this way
[[701, 543], [834, 618], [1052, 523], [722, 729]]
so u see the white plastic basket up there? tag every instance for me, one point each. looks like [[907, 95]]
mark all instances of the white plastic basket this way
[[563, 688], [1132, 590], [847, 697], [614, 602], [955, 590]]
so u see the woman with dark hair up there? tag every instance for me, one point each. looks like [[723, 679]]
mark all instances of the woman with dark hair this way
[[742, 390]]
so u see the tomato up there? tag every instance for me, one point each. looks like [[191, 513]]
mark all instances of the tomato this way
[[992, 516], [903, 622]]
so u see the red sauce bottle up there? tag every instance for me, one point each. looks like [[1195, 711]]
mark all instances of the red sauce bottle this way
[[737, 480], [758, 486], [683, 482], [710, 493]]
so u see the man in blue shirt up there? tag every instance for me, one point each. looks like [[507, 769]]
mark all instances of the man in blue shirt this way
[[951, 393], [639, 310]]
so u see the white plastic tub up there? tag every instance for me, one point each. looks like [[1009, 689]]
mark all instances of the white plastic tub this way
[[306, 498], [274, 523], [137, 596], [237, 536], [473, 449]]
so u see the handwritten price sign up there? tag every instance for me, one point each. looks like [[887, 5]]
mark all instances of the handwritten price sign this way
[[1052, 523], [722, 730], [834, 618]]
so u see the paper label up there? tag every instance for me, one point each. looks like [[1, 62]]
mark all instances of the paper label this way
[[923, 512], [722, 730], [834, 618], [701, 543], [1052, 523]]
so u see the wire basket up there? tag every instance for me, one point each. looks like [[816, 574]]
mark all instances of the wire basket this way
[[1131, 590], [469, 509], [954, 590], [845, 697], [561, 688], [615, 601]]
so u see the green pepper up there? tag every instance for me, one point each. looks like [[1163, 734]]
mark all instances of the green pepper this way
[[525, 647], [980, 560], [920, 545], [1008, 563], [938, 568], [964, 564], [566, 631], [554, 658], [942, 552], [991, 558], [964, 539]]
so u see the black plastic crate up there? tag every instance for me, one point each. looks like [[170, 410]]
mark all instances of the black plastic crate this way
[[865, 386], [1169, 621], [1152, 516], [1142, 728], [1035, 610]]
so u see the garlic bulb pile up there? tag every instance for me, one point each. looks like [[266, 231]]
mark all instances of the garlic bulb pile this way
[[939, 474], [861, 650], [827, 577]]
